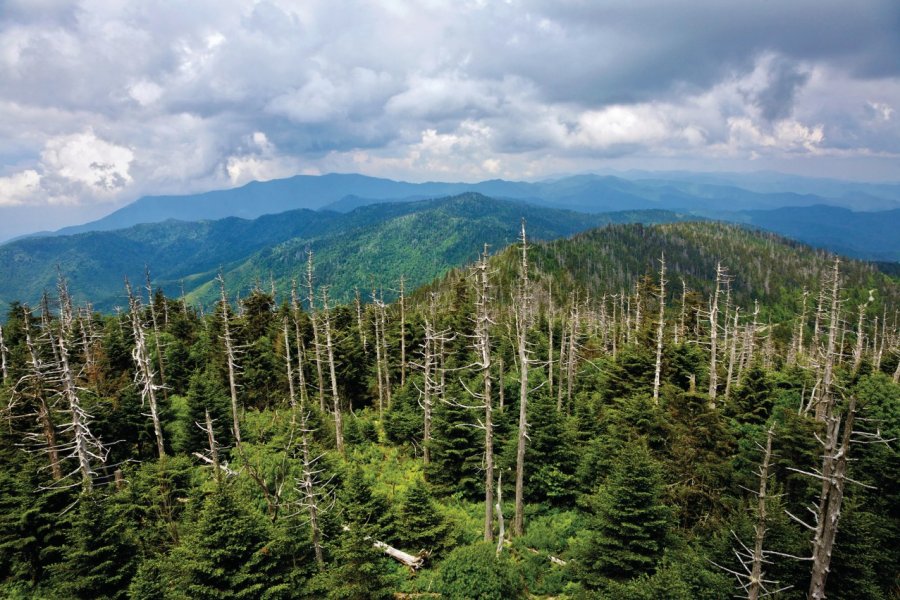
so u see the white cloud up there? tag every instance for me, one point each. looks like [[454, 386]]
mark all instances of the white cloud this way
[[19, 188], [83, 158]]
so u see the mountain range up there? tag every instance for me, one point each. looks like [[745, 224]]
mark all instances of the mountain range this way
[[258, 234], [417, 240]]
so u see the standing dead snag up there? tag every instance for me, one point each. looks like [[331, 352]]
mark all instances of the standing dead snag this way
[[143, 377], [522, 312], [317, 347], [752, 581], [329, 346], [3, 351], [825, 402], [230, 358], [714, 334], [661, 327], [159, 352], [38, 382], [483, 347], [85, 448], [402, 301]]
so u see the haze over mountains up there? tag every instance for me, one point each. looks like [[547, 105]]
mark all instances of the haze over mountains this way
[[585, 193], [259, 232]]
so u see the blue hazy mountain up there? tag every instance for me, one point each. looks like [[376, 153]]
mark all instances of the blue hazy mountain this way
[[585, 193]]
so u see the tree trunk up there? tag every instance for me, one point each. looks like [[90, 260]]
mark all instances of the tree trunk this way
[[521, 334], [661, 328], [144, 374], [329, 346], [317, 347], [230, 358], [713, 336]]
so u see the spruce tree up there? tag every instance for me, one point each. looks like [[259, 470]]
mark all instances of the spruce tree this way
[[628, 521]]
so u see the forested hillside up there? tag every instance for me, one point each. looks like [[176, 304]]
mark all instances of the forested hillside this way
[[681, 411], [418, 239]]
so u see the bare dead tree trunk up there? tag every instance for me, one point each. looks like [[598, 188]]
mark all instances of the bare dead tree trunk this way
[[713, 335], [751, 337], [521, 335], [860, 334], [483, 346], [213, 448], [550, 340], [571, 355], [159, 352], [826, 401], [317, 347], [732, 355], [82, 437], [402, 330], [502, 378], [501, 525], [301, 347], [309, 488], [378, 370], [144, 368], [289, 368], [833, 479], [428, 385], [680, 328], [329, 346], [382, 309], [359, 321], [661, 328], [563, 344], [3, 353], [756, 572], [230, 359], [39, 377]]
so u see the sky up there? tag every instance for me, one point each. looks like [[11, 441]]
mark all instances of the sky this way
[[102, 102]]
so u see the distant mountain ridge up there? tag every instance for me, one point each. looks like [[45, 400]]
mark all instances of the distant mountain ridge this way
[[585, 193], [419, 240]]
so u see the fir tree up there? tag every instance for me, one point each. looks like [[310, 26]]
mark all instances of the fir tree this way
[[628, 522]]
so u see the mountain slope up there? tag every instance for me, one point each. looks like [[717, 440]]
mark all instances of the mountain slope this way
[[418, 239], [586, 193], [763, 266]]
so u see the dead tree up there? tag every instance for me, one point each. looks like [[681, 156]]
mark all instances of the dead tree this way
[[295, 314], [39, 384], [144, 375], [213, 458], [359, 321], [714, 333], [483, 324], [833, 476], [382, 311], [329, 346], [84, 448], [159, 352], [860, 336], [402, 302], [752, 579], [379, 373], [661, 327], [571, 355], [3, 353], [825, 400], [313, 316], [521, 317], [232, 365], [732, 354]]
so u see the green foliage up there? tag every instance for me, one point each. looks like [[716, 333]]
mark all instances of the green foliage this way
[[628, 525], [476, 573]]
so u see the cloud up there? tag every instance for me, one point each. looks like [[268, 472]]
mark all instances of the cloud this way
[[108, 101], [18, 189]]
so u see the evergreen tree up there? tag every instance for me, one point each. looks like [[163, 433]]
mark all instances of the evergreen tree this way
[[420, 525], [224, 556], [628, 522], [100, 556]]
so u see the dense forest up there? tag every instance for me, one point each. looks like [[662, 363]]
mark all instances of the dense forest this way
[[682, 411]]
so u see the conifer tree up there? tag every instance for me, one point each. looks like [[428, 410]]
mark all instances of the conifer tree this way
[[628, 523]]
